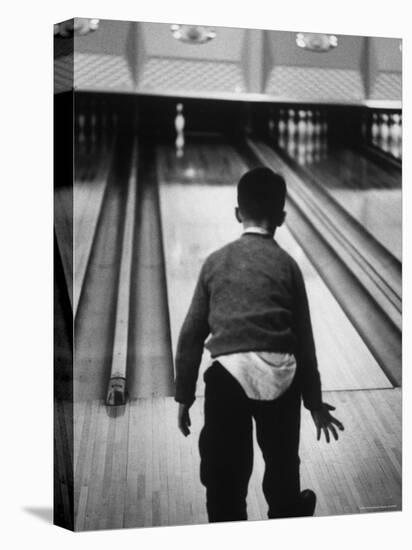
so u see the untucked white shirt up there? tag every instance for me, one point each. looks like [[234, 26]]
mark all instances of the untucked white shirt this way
[[264, 375]]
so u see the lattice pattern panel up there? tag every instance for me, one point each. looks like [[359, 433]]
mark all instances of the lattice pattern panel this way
[[63, 73], [387, 86], [102, 72], [312, 84], [180, 75]]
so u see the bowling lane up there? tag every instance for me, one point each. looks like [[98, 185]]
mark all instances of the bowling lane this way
[[370, 193], [94, 322], [197, 210], [92, 172], [198, 217], [120, 320]]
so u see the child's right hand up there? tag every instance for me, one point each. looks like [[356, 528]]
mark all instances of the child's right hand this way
[[183, 419], [325, 421]]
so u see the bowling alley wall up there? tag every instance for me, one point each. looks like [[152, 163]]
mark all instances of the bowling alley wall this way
[[360, 75], [142, 110]]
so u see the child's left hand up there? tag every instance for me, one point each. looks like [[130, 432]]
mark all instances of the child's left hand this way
[[183, 419], [325, 421]]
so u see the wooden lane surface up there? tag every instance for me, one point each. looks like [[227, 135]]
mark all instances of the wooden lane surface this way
[[194, 220], [76, 212], [371, 194], [136, 469], [90, 183], [94, 323], [344, 360], [150, 364], [198, 218], [353, 170]]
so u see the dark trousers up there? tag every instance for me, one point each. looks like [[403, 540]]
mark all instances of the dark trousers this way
[[226, 448]]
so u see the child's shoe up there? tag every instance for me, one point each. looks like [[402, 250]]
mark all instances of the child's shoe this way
[[307, 503]]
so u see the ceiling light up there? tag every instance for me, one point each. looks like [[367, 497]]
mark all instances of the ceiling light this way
[[316, 42], [192, 34]]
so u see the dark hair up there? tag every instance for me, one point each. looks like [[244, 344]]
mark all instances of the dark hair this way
[[261, 194]]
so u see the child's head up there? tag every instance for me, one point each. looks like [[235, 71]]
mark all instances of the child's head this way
[[261, 197]]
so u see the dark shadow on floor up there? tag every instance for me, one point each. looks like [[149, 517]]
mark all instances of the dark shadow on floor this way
[[43, 513]]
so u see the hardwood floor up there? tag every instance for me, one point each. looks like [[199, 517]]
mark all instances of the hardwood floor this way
[[135, 469]]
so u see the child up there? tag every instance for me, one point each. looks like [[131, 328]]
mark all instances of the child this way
[[251, 299]]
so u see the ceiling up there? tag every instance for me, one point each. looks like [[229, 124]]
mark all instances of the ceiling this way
[[249, 64]]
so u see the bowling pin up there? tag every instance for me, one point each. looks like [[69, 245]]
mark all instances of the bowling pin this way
[[271, 126], [364, 127], [323, 147], [291, 124], [302, 125], [179, 125], [374, 128], [384, 130], [281, 122], [316, 123], [324, 127], [379, 136], [81, 135], [393, 126], [398, 124], [93, 131], [301, 153], [291, 146], [317, 148], [309, 151], [310, 126], [391, 141], [281, 129], [396, 130], [394, 149]]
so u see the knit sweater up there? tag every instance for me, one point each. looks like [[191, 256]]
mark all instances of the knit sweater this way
[[250, 296]]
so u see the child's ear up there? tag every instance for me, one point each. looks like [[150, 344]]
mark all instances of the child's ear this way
[[237, 214]]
